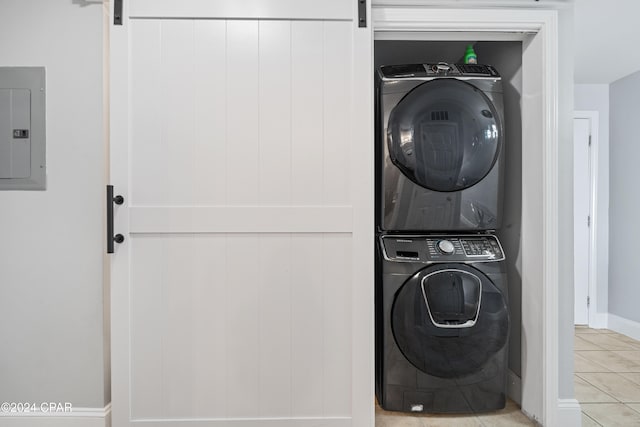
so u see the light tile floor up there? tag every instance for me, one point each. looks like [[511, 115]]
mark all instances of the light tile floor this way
[[508, 417], [607, 377], [607, 385]]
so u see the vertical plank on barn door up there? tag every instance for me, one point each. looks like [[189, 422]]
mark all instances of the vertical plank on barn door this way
[[243, 256], [337, 247], [336, 314], [243, 316], [306, 324], [178, 340], [178, 99], [336, 112], [242, 112], [210, 329], [307, 111], [146, 336], [210, 75], [148, 154], [210, 251], [307, 171], [275, 113], [275, 325], [274, 185]]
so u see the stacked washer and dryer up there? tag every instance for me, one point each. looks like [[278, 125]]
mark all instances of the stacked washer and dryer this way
[[442, 321]]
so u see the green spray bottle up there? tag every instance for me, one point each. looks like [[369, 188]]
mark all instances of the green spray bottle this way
[[470, 56]]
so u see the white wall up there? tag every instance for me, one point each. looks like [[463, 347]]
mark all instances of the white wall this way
[[624, 231], [606, 29], [507, 58], [51, 252], [595, 97]]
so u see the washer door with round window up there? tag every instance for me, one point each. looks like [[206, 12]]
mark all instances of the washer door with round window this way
[[449, 320]]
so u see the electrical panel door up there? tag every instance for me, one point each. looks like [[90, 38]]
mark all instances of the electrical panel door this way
[[22, 128]]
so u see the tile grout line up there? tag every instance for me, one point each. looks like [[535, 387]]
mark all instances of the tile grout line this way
[[598, 388], [633, 409], [587, 415], [616, 400]]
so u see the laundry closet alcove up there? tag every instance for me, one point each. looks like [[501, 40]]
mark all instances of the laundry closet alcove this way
[[537, 241]]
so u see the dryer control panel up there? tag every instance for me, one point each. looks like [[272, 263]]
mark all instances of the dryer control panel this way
[[441, 69], [442, 248]]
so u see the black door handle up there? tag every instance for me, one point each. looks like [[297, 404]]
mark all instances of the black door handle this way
[[111, 200]]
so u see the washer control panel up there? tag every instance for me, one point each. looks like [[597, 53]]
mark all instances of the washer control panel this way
[[445, 248]]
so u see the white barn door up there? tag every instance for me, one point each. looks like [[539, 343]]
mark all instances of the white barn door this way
[[241, 140]]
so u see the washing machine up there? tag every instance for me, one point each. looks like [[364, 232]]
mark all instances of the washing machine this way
[[439, 147], [442, 323]]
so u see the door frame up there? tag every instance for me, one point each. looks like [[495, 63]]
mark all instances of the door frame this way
[[538, 30], [593, 118]]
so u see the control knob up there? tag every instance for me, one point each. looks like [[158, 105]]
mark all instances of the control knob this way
[[446, 247], [441, 67]]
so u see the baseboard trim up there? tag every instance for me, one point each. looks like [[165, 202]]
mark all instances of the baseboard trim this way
[[569, 413], [76, 417], [514, 387], [599, 320], [624, 326]]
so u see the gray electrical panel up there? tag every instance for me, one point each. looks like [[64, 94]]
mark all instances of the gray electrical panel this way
[[22, 128]]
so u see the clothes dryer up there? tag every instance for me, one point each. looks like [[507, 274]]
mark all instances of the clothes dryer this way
[[440, 144], [442, 324]]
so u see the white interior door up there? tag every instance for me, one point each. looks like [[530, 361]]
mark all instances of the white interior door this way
[[241, 142], [582, 220]]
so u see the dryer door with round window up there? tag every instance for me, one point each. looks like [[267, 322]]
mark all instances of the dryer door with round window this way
[[444, 135]]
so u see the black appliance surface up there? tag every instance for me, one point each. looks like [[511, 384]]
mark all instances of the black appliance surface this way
[[442, 323], [439, 148]]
